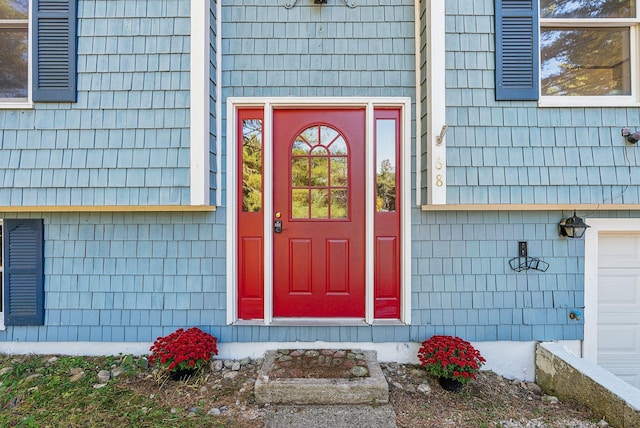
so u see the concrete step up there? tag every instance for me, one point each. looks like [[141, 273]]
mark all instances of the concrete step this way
[[354, 416], [372, 389]]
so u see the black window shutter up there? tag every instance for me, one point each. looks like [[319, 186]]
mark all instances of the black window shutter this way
[[23, 271], [517, 51], [54, 50]]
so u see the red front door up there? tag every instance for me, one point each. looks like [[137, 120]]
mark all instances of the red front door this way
[[319, 200]]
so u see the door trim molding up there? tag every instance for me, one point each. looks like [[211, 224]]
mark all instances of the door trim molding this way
[[591, 268], [269, 103]]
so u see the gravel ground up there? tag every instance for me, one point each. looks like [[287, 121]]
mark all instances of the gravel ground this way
[[416, 397]]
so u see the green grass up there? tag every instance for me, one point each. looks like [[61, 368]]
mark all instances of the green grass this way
[[34, 393]]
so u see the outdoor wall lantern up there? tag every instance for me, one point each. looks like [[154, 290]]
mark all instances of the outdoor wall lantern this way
[[573, 227], [632, 138], [291, 3]]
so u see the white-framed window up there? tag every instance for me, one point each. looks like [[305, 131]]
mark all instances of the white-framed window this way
[[588, 52], [14, 51]]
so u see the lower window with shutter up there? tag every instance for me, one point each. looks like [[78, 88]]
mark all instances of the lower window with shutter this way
[[22, 265]]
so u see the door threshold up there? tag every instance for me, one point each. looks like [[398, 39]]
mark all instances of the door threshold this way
[[320, 322], [308, 321]]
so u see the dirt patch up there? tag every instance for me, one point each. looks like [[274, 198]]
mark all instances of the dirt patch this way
[[223, 395], [319, 364], [491, 401]]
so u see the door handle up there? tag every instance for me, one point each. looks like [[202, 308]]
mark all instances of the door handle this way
[[277, 226]]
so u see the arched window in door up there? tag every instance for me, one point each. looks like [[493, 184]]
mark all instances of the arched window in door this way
[[320, 175]]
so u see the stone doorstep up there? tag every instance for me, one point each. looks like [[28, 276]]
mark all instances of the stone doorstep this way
[[351, 416], [311, 391]]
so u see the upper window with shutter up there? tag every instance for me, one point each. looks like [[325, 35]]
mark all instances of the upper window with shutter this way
[[568, 52], [48, 55]]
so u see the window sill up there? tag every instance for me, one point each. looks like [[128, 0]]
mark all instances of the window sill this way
[[613, 101], [14, 105]]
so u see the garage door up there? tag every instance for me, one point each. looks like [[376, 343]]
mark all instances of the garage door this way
[[619, 305]]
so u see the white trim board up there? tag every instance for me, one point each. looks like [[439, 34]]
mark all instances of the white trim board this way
[[591, 249], [268, 104], [513, 360], [199, 107]]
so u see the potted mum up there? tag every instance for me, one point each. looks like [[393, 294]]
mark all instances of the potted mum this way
[[453, 360], [183, 352]]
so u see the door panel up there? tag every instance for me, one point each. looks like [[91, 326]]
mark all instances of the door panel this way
[[319, 178]]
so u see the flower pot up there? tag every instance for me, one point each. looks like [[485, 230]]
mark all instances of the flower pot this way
[[450, 384], [182, 374]]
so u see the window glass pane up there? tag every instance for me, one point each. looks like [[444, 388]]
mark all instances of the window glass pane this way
[[327, 135], [14, 9], [299, 172], [587, 9], [582, 62], [319, 203], [310, 135], [319, 171], [300, 147], [299, 203], [252, 165], [338, 147], [13, 63], [339, 174], [319, 151], [385, 165], [339, 205]]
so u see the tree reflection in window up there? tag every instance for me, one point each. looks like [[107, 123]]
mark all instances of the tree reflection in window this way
[[385, 165], [319, 175], [14, 52], [252, 165]]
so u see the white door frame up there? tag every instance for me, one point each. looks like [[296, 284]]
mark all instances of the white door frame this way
[[591, 252], [269, 103]]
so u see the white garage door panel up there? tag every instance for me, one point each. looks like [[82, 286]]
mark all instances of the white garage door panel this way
[[609, 339], [619, 289], [619, 305], [619, 250]]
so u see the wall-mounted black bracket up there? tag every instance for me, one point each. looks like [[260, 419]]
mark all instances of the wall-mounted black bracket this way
[[524, 262]]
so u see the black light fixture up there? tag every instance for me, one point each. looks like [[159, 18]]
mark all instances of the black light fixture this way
[[573, 227], [349, 3], [632, 138]]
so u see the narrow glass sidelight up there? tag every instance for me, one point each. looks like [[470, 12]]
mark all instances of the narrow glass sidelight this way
[[387, 243], [386, 160], [250, 216], [252, 165]]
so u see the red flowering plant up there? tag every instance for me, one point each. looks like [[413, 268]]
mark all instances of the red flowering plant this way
[[451, 358], [183, 350]]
